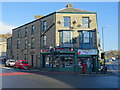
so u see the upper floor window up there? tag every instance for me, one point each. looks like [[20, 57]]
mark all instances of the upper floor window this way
[[44, 25], [18, 44], [25, 56], [85, 22], [26, 44], [44, 40], [33, 28], [66, 21], [66, 38], [86, 36], [18, 33], [26, 31], [32, 42]]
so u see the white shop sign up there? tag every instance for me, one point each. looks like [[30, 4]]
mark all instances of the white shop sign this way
[[88, 52]]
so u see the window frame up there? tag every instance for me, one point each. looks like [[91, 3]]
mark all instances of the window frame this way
[[32, 30], [26, 31], [18, 33], [86, 37], [62, 38], [44, 40], [26, 43], [18, 44], [67, 22], [44, 25], [32, 42], [86, 22], [25, 56]]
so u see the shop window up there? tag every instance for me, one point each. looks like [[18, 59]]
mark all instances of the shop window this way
[[66, 38], [44, 26], [66, 21], [48, 61], [66, 62], [85, 22]]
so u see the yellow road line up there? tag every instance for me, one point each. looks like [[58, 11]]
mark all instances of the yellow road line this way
[[5, 67]]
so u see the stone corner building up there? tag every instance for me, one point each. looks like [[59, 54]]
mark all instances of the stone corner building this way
[[59, 41]]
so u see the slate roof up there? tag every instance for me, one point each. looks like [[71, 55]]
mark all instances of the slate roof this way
[[71, 9]]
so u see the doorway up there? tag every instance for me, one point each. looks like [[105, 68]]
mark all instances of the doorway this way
[[32, 58]]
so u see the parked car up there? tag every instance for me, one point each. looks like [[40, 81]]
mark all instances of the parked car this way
[[22, 64], [10, 62]]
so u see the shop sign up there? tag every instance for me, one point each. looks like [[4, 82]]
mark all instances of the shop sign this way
[[44, 50], [64, 49], [66, 55], [88, 52]]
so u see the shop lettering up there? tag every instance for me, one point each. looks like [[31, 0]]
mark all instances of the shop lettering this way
[[87, 52]]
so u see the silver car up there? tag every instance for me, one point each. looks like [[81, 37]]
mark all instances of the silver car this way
[[10, 62]]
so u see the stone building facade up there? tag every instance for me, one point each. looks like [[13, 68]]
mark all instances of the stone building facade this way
[[3, 44], [72, 32]]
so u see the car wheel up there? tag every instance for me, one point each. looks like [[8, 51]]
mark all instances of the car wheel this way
[[14, 67], [9, 65], [19, 67]]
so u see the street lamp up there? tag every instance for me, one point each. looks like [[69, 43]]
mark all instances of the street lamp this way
[[103, 42], [103, 36]]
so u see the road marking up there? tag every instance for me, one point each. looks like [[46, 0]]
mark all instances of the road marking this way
[[14, 73], [5, 67]]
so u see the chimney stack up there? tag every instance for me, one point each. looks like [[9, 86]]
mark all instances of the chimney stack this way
[[69, 5], [38, 16]]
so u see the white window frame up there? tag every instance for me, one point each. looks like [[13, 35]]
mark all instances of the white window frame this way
[[67, 22], [85, 23]]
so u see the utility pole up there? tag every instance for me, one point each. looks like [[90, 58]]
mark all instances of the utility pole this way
[[103, 53]]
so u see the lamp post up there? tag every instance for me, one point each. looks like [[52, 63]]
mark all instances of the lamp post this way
[[103, 43]]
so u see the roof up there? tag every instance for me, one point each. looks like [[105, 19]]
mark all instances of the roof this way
[[71, 9], [67, 9]]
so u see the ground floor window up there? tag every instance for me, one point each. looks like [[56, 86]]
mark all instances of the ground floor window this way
[[61, 60], [49, 60], [66, 61]]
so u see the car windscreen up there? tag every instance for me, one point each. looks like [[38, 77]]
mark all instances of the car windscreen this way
[[12, 60], [24, 62]]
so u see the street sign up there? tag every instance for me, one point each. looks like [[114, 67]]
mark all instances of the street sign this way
[[44, 50]]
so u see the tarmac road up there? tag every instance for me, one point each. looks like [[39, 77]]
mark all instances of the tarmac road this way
[[15, 78]]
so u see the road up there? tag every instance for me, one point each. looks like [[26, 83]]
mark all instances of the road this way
[[114, 67], [15, 78]]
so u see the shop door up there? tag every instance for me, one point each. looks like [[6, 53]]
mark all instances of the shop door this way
[[43, 61], [84, 62], [93, 63], [32, 57]]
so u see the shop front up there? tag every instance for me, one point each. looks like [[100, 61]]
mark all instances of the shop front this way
[[85, 61], [88, 59], [62, 61]]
